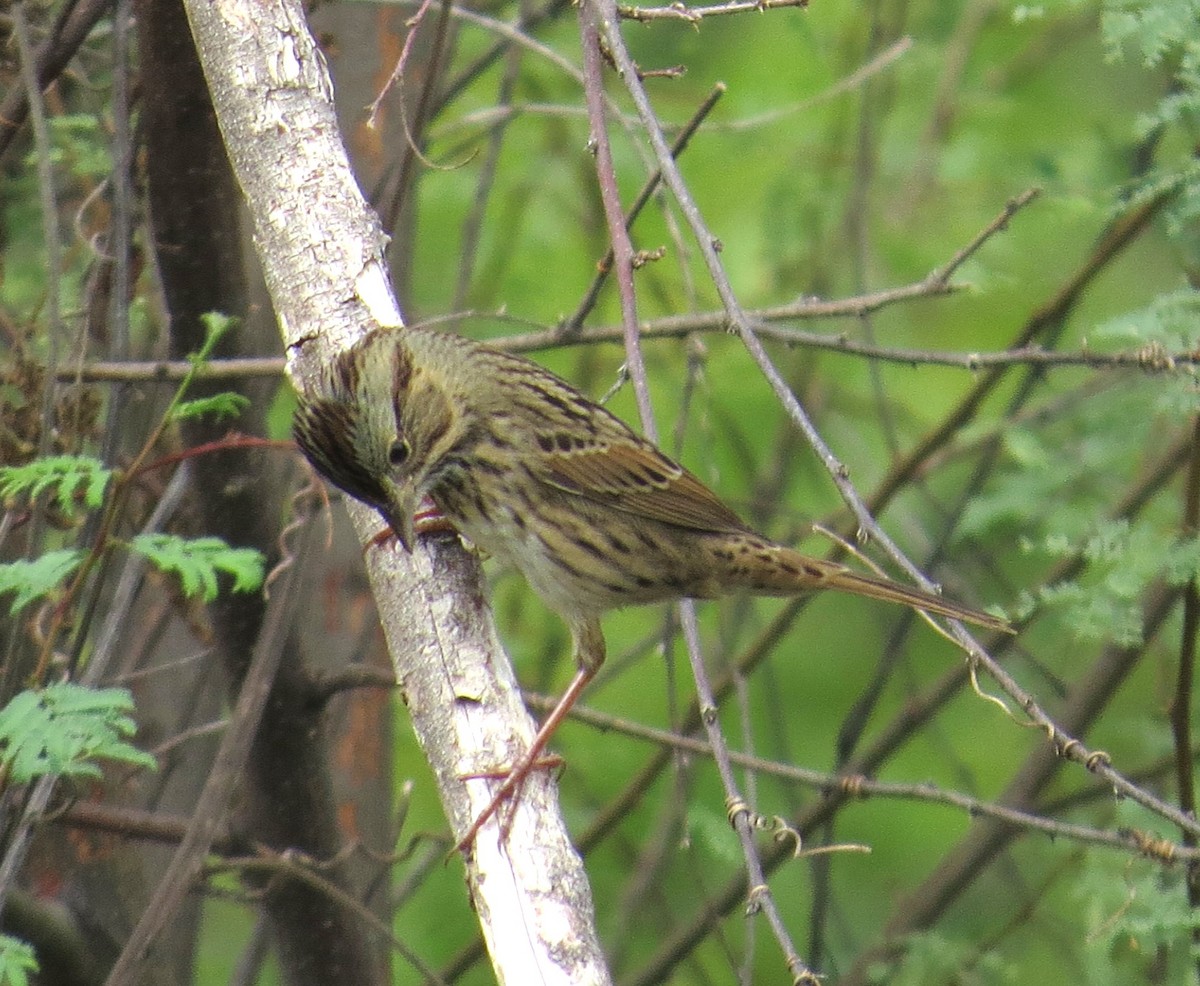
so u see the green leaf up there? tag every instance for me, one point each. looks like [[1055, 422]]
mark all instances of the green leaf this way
[[933, 957], [223, 405], [1182, 562], [216, 325], [61, 730], [197, 562], [34, 579], [1131, 914], [1155, 27], [1094, 614], [65, 475], [17, 960], [1169, 319], [1124, 558]]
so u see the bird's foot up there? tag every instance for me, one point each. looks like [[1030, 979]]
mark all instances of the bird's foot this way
[[427, 520], [545, 761], [531, 760], [510, 790]]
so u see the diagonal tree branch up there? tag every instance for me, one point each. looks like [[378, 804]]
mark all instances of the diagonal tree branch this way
[[322, 256]]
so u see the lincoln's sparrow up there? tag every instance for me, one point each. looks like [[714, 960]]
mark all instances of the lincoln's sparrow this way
[[534, 473]]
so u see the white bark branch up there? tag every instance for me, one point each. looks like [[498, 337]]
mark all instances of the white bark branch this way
[[321, 250]]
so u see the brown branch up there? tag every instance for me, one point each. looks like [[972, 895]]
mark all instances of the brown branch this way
[[860, 786], [610, 197], [173, 370], [693, 15], [74, 24], [326, 686], [570, 327], [1181, 701], [1053, 313], [1151, 358], [885, 744], [135, 823], [203, 826]]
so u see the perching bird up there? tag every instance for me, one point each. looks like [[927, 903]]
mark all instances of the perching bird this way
[[544, 479]]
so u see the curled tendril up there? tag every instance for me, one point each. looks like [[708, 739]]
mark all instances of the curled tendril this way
[[780, 830], [1151, 845], [737, 807], [851, 785], [314, 489]]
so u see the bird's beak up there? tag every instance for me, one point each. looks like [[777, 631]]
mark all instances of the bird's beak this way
[[399, 513]]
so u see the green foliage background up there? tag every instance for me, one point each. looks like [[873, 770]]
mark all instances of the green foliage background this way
[[821, 180], [823, 194]]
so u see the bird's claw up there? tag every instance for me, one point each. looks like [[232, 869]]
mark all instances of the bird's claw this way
[[513, 780], [427, 520]]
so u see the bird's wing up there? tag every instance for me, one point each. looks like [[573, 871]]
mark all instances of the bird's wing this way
[[630, 474]]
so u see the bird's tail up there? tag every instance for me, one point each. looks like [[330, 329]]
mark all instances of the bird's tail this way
[[790, 572]]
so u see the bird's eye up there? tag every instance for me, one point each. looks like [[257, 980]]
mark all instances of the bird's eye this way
[[399, 452]]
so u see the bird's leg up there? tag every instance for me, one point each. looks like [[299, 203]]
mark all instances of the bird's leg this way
[[516, 775], [589, 653]]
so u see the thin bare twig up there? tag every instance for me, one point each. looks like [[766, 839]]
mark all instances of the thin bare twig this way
[[304, 871], [186, 864], [1182, 700], [472, 226], [571, 325], [610, 196], [49, 214], [694, 15], [861, 786], [1151, 358], [759, 897], [851, 82], [593, 21]]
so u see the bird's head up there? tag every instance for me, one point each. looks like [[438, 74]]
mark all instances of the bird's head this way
[[376, 426]]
